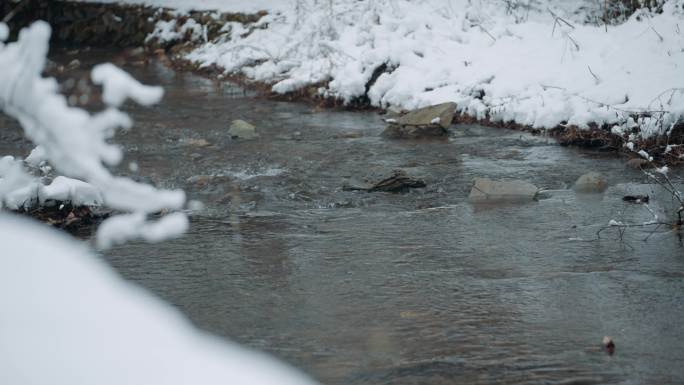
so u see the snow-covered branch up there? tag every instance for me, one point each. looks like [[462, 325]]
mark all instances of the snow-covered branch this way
[[74, 141]]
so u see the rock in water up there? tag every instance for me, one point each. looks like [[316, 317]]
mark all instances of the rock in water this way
[[395, 131], [242, 130], [427, 121], [591, 182], [439, 114], [638, 163], [399, 182], [489, 191]]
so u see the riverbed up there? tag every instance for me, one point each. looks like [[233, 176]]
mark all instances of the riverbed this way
[[416, 288]]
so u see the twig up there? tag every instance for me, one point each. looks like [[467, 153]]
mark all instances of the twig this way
[[560, 19], [13, 12], [659, 35], [623, 227], [652, 232], [483, 29], [594, 75]]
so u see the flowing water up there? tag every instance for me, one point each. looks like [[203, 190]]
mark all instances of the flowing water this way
[[416, 288]]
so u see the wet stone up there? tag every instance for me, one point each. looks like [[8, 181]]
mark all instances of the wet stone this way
[[638, 163], [438, 114], [239, 129], [591, 182], [398, 182], [490, 191], [431, 121], [394, 131]]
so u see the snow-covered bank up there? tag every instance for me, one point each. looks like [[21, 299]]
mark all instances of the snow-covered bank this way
[[541, 70]]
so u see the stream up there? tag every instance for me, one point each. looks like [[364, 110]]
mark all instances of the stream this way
[[416, 288]]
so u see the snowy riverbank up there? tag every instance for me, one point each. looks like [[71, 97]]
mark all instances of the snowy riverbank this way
[[538, 69], [556, 64]]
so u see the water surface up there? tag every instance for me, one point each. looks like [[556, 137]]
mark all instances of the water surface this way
[[416, 288]]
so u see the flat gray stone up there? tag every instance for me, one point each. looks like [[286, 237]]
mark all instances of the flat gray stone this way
[[242, 130], [489, 191], [591, 182], [439, 114]]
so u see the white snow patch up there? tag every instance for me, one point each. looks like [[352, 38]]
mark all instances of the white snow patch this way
[[4, 32], [118, 86], [65, 189], [122, 228]]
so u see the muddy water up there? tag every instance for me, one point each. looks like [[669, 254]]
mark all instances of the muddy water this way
[[416, 288]]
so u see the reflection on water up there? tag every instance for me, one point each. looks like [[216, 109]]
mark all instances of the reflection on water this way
[[358, 288]]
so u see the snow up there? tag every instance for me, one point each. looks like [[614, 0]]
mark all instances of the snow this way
[[662, 170], [76, 143], [119, 86], [537, 70], [613, 222], [123, 228], [68, 319], [4, 32], [65, 189], [17, 188], [37, 156], [645, 155], [164, 31]]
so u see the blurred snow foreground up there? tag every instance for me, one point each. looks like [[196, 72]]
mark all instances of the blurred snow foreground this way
[[67, 319], [537, 63], [74, 142]]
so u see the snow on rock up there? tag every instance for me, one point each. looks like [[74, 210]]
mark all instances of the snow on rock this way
[[118, 86], [17, 188], [65, 189], [37, 156], [534, 70], [68, 319], [164, 31]]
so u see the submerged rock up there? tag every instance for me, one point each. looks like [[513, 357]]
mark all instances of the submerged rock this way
[[591, 182], [398, 182], [638, 163], [395, 131], [242, 130], [424, 122], [489, 191], [196, 142]]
